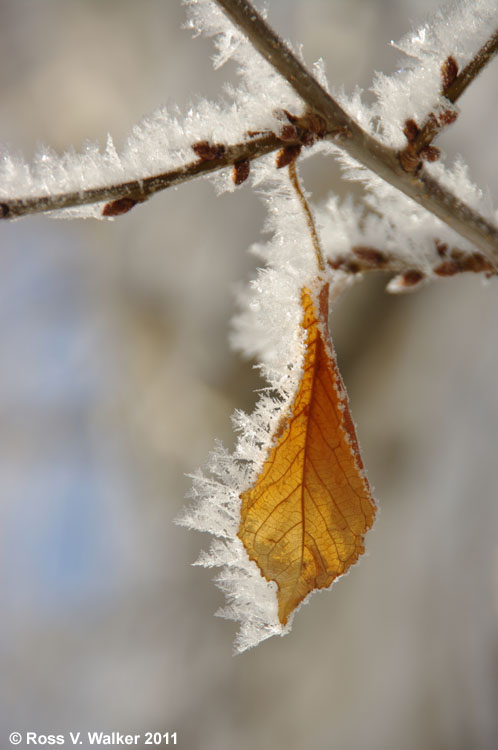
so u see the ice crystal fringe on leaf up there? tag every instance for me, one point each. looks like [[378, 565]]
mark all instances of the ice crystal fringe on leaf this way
[[271, 331], [304, 520]]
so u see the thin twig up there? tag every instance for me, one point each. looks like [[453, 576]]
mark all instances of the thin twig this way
[[352, 138], [140, 190], [474, 67], [122, 196]]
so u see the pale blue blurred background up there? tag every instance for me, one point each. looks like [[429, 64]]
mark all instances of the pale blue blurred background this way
[[116, 377]]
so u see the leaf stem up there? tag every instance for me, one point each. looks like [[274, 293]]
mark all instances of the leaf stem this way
[[309, 216]]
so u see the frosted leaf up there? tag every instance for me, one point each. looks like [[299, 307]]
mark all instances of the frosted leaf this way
[[271, 331]]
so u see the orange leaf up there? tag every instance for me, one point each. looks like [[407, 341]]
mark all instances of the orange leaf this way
[[304, 520]]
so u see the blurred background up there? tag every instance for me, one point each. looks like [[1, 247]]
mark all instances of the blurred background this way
[[116, 377]]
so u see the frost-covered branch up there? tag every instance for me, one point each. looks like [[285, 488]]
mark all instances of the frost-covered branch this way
[[454, 85], [370, 152], [293, 133], [159, 152], [122, 196], [447, 261], [119, 198]]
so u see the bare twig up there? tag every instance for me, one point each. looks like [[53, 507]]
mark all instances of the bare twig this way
[[352, 138]]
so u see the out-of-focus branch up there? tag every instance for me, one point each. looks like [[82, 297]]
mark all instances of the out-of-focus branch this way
[[448, 261], [352, 138]]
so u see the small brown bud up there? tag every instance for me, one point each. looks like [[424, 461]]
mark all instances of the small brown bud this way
[[430, 153], [442, 248], [208, 151], [412, 278], [316, 124], [411, 130], [405, 282], [449, 71], [336, 263], [241, 171], [409, 159], [287, 155], [292, 118], [345, 264], [370, 256], [307, 138], [352, 267], [476, 262], [120, 206], [447, 117], [447, 268], [461, 262], [288, 133]]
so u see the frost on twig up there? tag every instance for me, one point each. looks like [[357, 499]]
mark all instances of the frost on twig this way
[[430, 79], [249, 123], [358, 242], [365, 141], [159, 151]]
